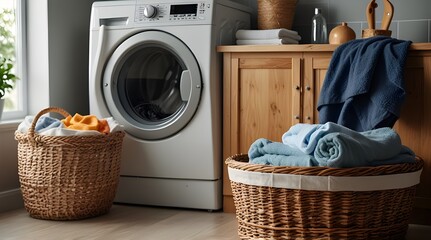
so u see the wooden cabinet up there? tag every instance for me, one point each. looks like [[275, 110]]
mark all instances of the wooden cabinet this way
[[267, 89], [315, 67], [414, 125]]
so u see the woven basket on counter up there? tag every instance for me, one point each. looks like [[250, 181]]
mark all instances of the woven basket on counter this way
[[272, 14], [68, 177], [311, 212]]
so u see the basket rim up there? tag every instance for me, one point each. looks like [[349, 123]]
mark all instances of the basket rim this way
[[34, 138], [326, 183], [240, 162], [42, 137]]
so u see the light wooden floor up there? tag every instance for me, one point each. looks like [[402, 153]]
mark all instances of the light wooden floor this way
[[133, 222], [124, 222]]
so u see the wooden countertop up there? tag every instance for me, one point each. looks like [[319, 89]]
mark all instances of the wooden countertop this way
[[300, 48]]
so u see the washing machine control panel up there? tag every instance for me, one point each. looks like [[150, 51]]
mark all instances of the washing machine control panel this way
[[170, 12]]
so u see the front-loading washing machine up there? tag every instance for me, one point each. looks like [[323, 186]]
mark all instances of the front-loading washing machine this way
[[154, 68]]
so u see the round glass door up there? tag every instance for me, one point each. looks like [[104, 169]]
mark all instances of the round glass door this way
[[152, 85]]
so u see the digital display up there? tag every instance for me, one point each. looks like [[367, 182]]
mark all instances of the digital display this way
[[184, 9]]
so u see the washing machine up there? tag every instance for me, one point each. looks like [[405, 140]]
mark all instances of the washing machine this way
[[154, 68]]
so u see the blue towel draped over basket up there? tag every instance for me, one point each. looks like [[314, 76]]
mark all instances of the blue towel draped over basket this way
[[364, 88]]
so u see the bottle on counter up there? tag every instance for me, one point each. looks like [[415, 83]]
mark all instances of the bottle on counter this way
[[319, 30]]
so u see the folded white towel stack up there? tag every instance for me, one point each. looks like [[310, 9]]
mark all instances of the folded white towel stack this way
[[270, 36]]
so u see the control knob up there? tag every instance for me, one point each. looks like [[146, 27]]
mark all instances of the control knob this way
[[150, 11]]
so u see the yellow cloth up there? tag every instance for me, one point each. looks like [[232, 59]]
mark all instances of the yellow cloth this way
[[88, 122]]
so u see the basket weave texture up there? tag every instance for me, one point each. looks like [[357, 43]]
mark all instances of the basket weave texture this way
[[272, 14], [68, 177], [279, 213]]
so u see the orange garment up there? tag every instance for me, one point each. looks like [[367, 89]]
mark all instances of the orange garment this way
[[88, 122], [104, 126]]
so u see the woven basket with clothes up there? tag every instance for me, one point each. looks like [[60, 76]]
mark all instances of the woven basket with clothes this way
[[68, 177], [280, 202]]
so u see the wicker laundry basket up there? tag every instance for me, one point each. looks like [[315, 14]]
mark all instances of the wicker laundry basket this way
[[68, 177], [272, 14], [308, 212]]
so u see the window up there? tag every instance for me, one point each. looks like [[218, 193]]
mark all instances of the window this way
[[12, 46]]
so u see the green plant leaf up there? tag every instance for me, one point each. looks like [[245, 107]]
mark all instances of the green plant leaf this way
[[7, 78]]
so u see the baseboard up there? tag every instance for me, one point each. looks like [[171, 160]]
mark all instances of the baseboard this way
[[10, 200]]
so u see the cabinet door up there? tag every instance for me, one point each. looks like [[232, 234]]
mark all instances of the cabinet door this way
[[265, 97], [315, 68], [261, 100], [414, 124]]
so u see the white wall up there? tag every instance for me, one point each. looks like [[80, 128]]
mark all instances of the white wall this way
[[37, 54]]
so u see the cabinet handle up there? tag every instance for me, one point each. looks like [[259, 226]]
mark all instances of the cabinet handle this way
[[297, 87], [296, 116], [308, 88]]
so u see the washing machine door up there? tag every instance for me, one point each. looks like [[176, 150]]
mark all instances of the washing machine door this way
[[152, 85]]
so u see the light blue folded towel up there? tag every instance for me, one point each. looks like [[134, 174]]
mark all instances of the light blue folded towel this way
[[45, 123], [358, 149], [305, 136], [332, 145], [264, 151]]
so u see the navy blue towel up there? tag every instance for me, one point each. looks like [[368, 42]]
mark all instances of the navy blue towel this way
[[364, 85]]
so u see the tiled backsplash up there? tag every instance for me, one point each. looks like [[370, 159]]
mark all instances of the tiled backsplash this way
[[411, 21]]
